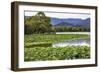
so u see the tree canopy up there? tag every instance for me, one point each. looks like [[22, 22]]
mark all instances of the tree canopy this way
[[38, 24]]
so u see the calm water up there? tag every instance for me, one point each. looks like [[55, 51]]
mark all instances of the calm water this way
[[87, 33], [78, 42]]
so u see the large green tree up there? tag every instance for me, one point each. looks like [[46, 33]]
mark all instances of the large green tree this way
[[39, 23]]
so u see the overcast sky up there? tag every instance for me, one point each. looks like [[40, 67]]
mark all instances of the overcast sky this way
[[60, 14]]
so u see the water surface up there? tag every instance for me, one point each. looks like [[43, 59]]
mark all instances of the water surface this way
[[77, 42]]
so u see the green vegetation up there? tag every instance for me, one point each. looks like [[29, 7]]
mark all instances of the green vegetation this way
[[38, 24], [52, 38], [70, 29], [38, 47], [60, 53], [40, 34], [43, 44]]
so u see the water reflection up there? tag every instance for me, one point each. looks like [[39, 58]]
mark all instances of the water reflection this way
[[78, 42]]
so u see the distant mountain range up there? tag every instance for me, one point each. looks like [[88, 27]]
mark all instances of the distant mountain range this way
[[73, 22]]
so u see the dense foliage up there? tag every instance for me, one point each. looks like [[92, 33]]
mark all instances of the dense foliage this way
[[37, 24], [60, 53]]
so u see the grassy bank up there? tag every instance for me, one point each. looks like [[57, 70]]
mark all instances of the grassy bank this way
[[60, 53], [43, 44], [52, 38]]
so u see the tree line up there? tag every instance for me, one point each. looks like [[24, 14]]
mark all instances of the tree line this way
[[70, 29]]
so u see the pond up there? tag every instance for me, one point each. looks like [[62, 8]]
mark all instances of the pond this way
[[77, 42]]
